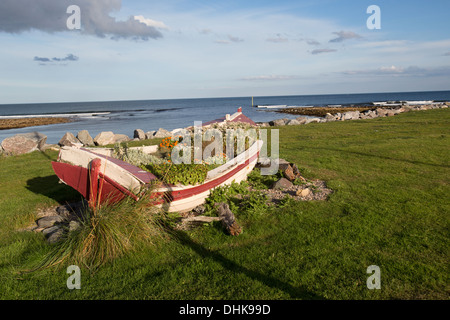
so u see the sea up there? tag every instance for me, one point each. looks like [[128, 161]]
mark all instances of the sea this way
[[126, 116]]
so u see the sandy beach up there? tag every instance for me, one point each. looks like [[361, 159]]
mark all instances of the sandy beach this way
[[30, 122]]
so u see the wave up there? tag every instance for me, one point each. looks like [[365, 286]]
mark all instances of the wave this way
[[166, 109]]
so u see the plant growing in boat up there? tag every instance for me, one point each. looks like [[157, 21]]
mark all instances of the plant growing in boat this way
[[167, 144], [135, 157], [186, 174], [191, 173], [217, 159]]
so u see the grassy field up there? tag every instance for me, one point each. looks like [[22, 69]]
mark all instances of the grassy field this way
[[390, 208]]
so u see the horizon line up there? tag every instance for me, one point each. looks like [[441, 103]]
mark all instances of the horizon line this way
[[231, 97]]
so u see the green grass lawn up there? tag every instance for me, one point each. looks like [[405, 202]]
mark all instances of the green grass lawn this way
[[390, 208]]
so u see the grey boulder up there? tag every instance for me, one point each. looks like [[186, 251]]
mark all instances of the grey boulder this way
[[139, 134], [118, 138], [69, 140], [162, 133], [104, 138], [23, 143], [85, 138]]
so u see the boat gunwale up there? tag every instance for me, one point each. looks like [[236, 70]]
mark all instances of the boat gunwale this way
[[222, 170]]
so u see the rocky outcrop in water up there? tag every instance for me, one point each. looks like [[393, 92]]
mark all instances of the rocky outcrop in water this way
[[354, 115]]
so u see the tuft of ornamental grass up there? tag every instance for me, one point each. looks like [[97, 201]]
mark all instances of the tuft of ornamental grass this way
[[109, 231]]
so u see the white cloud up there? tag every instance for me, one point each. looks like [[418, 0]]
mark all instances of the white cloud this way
[[392, 69], [151, 23], [404, 72]]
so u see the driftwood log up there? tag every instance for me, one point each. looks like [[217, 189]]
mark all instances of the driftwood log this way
[[228, 220], [200, 219], [224, 214]]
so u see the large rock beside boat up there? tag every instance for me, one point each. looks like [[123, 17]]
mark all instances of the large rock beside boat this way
[[282, 184], [69, 140], [104, 138], [150, 134], [40, 138], [119, 138], [162, 133], [18, 145], [139, 134], [85, 138], [24, 143]]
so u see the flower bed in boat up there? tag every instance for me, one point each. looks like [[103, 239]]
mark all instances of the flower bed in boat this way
[[161, 165]]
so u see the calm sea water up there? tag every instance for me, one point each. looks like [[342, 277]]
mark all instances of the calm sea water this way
[[126, 116]]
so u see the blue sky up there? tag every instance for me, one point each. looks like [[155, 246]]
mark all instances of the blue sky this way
[[136, 49]]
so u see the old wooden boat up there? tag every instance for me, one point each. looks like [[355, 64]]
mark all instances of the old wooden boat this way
[[99, 177]]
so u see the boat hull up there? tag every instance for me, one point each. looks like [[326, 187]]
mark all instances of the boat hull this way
[[111, 180]]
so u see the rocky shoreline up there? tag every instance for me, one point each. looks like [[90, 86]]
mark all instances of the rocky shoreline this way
[[322, 111], [29, 142], [333, 114]]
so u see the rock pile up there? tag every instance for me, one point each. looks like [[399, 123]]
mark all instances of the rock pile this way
[[29, 142], [55, 223], [104, 138], [293, 184], [353, 115], [160, 133], [307, 191], [83, 138]]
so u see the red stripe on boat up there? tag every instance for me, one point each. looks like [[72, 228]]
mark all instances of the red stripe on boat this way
[[186, 193]]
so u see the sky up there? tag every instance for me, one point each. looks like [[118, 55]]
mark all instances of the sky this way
[[144, 49]]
